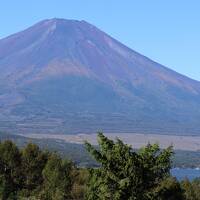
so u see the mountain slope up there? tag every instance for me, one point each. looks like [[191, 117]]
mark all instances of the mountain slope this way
[[68, 76]]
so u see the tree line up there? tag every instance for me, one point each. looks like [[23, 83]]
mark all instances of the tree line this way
[[123, 174]]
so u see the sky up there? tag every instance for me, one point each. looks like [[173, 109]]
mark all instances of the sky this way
[[167, 31]]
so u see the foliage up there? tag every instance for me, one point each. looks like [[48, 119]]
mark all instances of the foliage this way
[[79, 186], [31, 173], [168, 189], [33, 162], [192, 189], [57, 178], [122, 174], [10, 170], [126, 174]]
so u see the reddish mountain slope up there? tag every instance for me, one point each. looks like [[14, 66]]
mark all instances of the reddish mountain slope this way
[[68, 76]]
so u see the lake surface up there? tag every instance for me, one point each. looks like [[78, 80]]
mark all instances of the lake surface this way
[[180, 174]]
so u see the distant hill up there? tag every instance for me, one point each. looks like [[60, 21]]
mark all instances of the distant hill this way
[[67, 76]]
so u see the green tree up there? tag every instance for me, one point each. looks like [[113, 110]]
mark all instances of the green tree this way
[[79, 186], [10, 170], [196, 187], [168, 189], [33, 163], [58, 179], [124, 173], [191, 189]]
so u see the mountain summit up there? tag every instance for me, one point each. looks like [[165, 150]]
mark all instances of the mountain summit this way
[[68, 76]]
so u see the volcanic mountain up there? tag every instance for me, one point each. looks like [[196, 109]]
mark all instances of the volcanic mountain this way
[[67, 76]]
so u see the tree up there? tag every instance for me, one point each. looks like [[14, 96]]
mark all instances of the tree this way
[[10, 170], [33, 163], [31, 173], [58, 179], [168, 189], [191, 189], [124, 173], [79, 186]]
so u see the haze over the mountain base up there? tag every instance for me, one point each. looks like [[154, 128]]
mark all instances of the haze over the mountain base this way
[[186, 143]]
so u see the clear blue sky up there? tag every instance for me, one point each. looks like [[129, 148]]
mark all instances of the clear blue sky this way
[[167, 31]]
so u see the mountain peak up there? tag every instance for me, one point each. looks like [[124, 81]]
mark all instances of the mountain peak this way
[[62, 22], [62, 67], [58, 20]]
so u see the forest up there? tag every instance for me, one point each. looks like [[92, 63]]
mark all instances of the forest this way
[[122, 173]]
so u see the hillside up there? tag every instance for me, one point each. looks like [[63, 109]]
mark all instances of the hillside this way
[[67, 76]]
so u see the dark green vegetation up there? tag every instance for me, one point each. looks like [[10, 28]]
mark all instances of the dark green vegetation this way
[[123, 174], [32, 173], [126, 174]]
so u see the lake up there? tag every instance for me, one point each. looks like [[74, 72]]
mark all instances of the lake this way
[[180, 174]]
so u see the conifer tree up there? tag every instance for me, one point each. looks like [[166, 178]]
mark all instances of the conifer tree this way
[[58, 179], [33, 163], [10, 171], [124, 173]]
